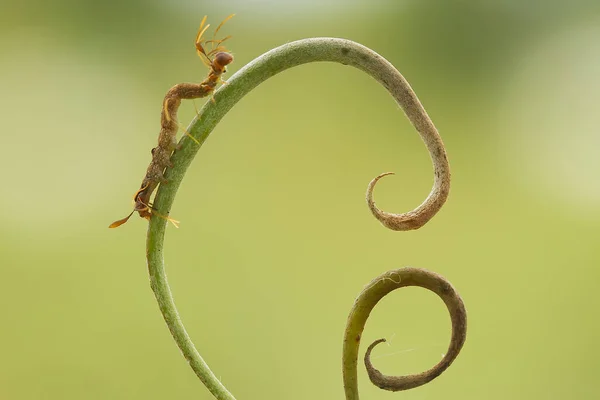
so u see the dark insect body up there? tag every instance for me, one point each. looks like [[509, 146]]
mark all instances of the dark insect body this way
[[216, 60]]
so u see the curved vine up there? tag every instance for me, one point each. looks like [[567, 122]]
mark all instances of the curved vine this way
[[366, 301], [267, 65]]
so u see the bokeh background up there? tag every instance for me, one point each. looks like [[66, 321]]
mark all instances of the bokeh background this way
[[275, 240]]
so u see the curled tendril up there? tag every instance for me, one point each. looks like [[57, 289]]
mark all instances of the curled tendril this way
[[267, 65], [366, 301]]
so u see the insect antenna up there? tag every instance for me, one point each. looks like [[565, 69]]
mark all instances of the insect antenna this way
[[218, 41], [201, 32], [199, 48], [202, 23], [220, 25]]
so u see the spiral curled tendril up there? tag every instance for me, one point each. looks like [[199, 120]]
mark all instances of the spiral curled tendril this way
[[366, 301], [267, 65]]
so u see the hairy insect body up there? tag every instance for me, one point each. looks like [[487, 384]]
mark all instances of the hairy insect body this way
[[217, 60]]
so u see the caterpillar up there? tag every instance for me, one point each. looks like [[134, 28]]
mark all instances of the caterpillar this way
[[216, 59]]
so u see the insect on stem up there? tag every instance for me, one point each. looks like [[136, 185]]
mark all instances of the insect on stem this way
[[216, 60]]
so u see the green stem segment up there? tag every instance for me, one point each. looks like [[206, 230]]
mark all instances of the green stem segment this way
[[269, 64]]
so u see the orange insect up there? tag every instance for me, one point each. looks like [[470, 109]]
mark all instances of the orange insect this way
[[216, 59], [220, 56]]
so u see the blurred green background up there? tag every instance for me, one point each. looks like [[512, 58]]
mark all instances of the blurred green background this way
[[275, 240]]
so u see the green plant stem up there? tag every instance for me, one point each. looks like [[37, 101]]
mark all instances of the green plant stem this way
[[269, 64]]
